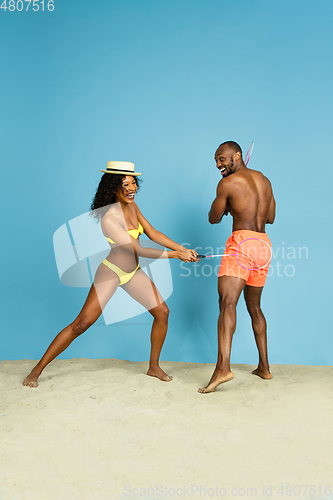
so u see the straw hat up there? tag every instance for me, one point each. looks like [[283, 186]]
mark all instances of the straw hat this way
[[120, 167]]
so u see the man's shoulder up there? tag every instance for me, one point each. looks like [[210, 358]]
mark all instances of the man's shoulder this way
[[259, 174], [260, 179], [223, 184], [229, 184]]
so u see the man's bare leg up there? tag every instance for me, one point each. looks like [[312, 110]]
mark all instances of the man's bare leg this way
[[252, 297], [229, 289]]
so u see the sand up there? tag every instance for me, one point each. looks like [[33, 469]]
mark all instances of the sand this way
[[102, 429]]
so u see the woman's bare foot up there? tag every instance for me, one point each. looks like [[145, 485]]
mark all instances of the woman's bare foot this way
[[31, 380], [217, 379], [262, 373], [156, 371]]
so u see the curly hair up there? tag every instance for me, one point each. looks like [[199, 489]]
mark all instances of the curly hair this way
[[106, 193]]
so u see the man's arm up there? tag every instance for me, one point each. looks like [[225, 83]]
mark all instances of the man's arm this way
[[271, 211], [218, 208]]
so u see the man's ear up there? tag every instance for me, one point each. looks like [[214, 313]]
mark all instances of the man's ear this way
[[237, 156]]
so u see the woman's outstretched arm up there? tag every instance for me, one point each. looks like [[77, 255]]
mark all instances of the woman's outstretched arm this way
[[113, 229], [159, 237]]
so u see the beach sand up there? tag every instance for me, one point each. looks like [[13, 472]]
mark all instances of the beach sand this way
[[101, 429]]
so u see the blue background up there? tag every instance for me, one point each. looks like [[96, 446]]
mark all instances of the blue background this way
[[162, 84]]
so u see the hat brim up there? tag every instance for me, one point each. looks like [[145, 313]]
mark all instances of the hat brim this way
[[120, 172]]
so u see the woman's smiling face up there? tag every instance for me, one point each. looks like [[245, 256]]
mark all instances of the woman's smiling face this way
[[127, 192]]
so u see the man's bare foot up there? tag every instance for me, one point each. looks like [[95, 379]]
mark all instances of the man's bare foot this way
[[156, 371], [216, 380], [262, 373], [31, 380]]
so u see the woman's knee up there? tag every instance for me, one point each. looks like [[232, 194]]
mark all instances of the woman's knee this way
[[161, 312], [81, 325]]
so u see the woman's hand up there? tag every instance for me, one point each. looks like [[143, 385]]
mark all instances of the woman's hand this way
[[188, 255], [193, 252]]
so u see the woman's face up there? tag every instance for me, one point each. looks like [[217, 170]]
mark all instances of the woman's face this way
[[127, 192]]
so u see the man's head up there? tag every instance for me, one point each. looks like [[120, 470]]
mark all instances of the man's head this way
[[228, 158]]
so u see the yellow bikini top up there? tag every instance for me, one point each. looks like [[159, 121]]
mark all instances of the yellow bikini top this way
[[135, 233]]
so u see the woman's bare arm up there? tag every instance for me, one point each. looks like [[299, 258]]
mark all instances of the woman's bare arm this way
[[159, 237], [114, 230]]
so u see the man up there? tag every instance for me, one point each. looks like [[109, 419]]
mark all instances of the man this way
[[247, 195]]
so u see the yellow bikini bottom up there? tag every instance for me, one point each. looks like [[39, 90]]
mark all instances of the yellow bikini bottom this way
[[122, 275]]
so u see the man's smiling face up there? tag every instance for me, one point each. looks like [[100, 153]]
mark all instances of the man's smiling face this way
[[224, 158]]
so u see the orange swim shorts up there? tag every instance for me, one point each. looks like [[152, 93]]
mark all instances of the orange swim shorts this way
[[247, 255]]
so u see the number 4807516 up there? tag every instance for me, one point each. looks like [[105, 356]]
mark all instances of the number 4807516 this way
[[20, 4]]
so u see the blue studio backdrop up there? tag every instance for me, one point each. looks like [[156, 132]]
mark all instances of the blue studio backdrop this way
[[162, 84]]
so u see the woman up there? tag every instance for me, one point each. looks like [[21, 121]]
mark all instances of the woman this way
[[121, 223]]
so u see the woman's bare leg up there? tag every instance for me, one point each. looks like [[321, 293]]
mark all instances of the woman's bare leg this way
[[143, 290], [104, 286]]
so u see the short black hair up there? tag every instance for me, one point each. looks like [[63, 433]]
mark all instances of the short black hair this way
[[232, 145]]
